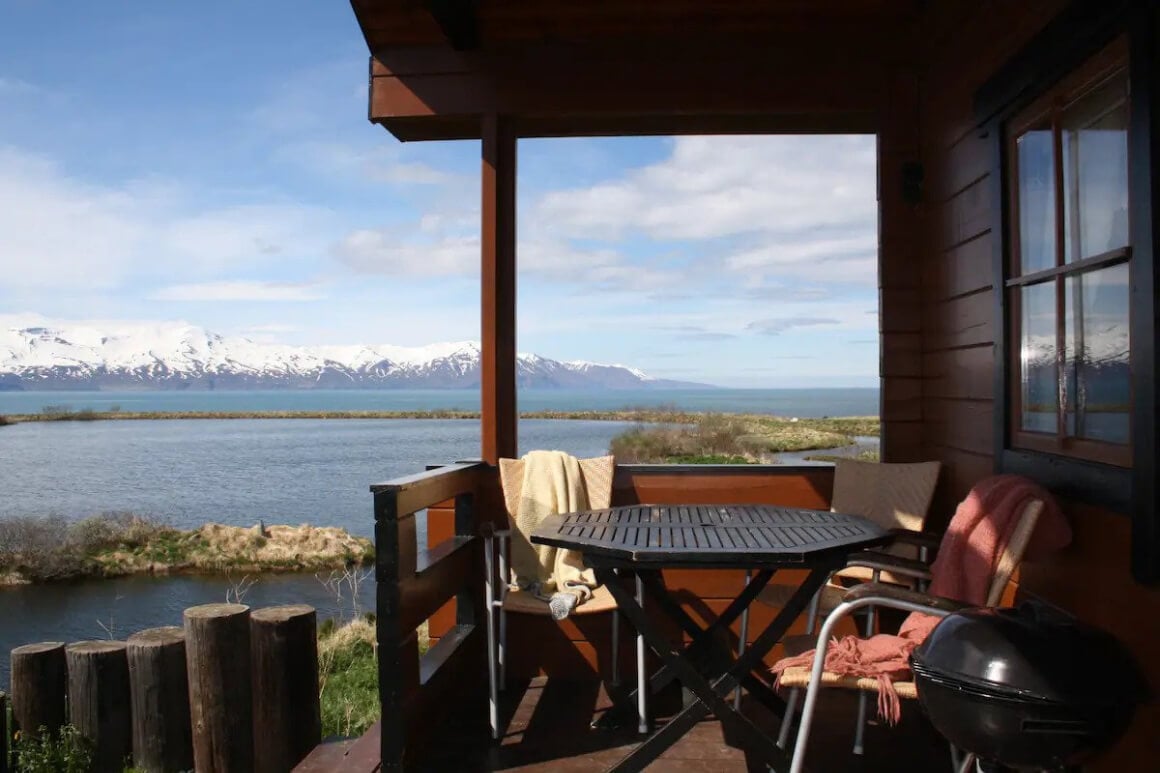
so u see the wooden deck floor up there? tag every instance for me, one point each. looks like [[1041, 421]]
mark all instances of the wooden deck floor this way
[[548, 729]]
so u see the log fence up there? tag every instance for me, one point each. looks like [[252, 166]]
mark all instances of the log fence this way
[[229, 691]]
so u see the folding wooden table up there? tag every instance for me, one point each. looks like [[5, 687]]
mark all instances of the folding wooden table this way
[[643, 540]]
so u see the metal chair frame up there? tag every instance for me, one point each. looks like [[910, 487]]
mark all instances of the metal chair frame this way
[[497, 631]]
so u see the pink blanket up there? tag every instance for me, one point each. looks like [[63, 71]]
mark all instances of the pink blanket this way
[[967, 560]]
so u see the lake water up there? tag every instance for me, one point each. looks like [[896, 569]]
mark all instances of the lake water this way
[[187, 472]]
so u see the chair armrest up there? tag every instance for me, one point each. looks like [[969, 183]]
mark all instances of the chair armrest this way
[[887, 562], [922, 539], [885, 593]]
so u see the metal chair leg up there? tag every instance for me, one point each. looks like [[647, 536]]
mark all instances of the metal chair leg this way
[[489, 593], [795, 694], [864, 697], [641, 678], [503, 590]]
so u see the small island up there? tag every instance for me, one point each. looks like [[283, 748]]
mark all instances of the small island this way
[[36, 549]]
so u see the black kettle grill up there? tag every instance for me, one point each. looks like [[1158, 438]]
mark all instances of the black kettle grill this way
[[1025, 688]]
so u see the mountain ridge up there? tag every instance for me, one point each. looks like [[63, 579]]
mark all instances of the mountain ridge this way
[[180, 356]]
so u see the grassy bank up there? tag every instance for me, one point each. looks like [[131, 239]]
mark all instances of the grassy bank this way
[[53, 548], [736, 438]]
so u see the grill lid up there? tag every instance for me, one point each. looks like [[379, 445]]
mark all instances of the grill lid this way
[[1029, 653]]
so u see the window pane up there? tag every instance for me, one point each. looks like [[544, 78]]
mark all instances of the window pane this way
[[1039, 366], [1036, 164], [1097, 365], [1095, 170]]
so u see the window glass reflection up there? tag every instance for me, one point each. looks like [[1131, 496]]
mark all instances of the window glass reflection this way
[[1040, 376], [1097, 364], [1095, 171], [1036, 200]]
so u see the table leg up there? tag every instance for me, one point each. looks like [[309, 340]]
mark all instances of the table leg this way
[[709, 693]]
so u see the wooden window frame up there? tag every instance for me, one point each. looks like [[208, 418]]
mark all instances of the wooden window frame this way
[[1074, 37], [1091, 74]]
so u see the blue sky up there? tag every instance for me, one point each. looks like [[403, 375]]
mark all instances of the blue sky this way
[[211, 162]]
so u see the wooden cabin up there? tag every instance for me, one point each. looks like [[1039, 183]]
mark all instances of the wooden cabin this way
[[986, 244]]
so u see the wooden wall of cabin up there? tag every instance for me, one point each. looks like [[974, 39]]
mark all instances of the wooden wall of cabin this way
[[968, 40], [579, 646]]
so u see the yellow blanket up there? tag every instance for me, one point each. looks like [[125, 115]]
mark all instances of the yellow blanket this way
[[551, 482]]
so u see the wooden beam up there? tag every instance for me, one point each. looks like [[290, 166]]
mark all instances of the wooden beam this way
[[458, 21], [606, 88], [498, 286]]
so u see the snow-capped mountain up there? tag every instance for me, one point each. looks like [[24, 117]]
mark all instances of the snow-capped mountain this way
[[180, 356]]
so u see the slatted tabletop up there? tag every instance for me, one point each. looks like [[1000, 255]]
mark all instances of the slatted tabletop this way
[[719, 536]]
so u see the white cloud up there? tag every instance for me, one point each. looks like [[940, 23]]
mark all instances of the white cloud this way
[[240, 290], [62, 232], [381, 162], [777, 325], [721, 186]]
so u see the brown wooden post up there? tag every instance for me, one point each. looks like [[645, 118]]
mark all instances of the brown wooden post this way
[[39, 681], [160, 700], [284, 665], [3, 733], [498, 411], [98, 700], [217, 657]]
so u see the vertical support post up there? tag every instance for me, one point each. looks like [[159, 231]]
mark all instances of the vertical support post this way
[[217, 646], [160, 700], [3, 733], [98, 700], [284, 664], [498, 410], [39, 681], [392, 670]]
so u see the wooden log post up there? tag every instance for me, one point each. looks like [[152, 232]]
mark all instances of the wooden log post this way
[[217, 657], [39, 681], [160, 700], [284, 665], [3, 733], [98, 701]]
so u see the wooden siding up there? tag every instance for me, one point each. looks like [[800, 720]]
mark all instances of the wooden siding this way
[[968, 41]]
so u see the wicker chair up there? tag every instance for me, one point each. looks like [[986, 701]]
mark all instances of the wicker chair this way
[[502, 599], [894, 496], [870, 595]]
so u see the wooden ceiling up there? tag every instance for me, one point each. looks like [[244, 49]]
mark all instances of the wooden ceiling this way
[[486, 24]]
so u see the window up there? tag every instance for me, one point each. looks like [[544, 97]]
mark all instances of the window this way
[[1067, 270]]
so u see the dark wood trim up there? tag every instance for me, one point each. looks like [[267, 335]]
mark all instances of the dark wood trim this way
[[1076, 34], [458, 21], [1110, 258], [1001, 237], [499, 411], [1144, 320], [1097, 484], [720, 470]]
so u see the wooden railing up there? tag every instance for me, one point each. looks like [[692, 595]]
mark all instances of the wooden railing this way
[[412, 585]]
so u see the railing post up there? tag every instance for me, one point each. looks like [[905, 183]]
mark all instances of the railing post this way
[[3, 733], [39, 683], [217, 655], [393, 731], [98, 700], [284, 665], [160, 697]]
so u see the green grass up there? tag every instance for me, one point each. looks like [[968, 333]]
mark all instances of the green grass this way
[[735, 438], [866, 455], [348, 676]]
